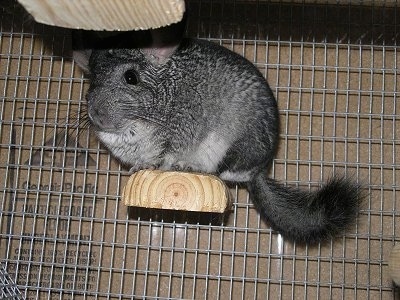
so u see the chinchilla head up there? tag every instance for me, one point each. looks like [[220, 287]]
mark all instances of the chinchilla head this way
[[126, 86], [129, 76]]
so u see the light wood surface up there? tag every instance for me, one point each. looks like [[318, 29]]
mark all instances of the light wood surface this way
[[176, 190], [110, 15]]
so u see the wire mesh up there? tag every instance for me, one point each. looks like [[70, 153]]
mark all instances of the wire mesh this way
[[8, 289], [64, 233]]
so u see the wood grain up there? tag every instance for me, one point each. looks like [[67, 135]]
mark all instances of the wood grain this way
[[176, 190], [121, 15]]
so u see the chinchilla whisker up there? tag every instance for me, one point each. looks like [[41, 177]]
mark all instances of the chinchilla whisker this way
[[149, 119]]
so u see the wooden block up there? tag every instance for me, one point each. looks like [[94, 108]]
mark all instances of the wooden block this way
[[121, 15], [394, 264], [176, 190]]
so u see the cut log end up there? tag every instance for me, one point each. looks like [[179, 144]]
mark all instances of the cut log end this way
[[176, 191]]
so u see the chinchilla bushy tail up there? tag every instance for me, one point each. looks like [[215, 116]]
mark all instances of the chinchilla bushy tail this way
[[305, 216]]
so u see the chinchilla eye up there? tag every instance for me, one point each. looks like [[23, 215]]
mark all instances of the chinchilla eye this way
[[131, 77]]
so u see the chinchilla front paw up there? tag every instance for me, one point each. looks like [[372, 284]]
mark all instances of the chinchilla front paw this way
[[138, 167]]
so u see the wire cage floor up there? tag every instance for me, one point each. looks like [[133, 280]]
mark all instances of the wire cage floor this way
[[64, 234]]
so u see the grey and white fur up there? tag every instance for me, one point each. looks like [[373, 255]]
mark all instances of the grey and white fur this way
[[197, 106]]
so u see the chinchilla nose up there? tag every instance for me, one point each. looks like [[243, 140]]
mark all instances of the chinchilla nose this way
[[101, 119], [102, 115]]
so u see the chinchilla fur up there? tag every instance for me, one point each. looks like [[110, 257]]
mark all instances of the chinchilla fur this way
[[197, 106]]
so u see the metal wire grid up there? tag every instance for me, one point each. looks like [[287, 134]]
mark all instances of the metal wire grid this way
[[8, 289], [64, 233]]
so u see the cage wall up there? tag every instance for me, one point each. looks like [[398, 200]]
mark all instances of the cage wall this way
[[64, 232]]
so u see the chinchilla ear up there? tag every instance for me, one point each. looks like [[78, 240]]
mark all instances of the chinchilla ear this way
[[164, 42], [82, 49], [159, 54], [81, 58]]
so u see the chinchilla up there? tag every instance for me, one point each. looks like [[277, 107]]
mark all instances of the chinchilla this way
[[196, 106]]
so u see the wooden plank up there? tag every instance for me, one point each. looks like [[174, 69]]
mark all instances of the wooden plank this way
[[121, 15]]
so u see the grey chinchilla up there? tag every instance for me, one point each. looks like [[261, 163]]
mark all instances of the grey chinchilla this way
[[197, 106]]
